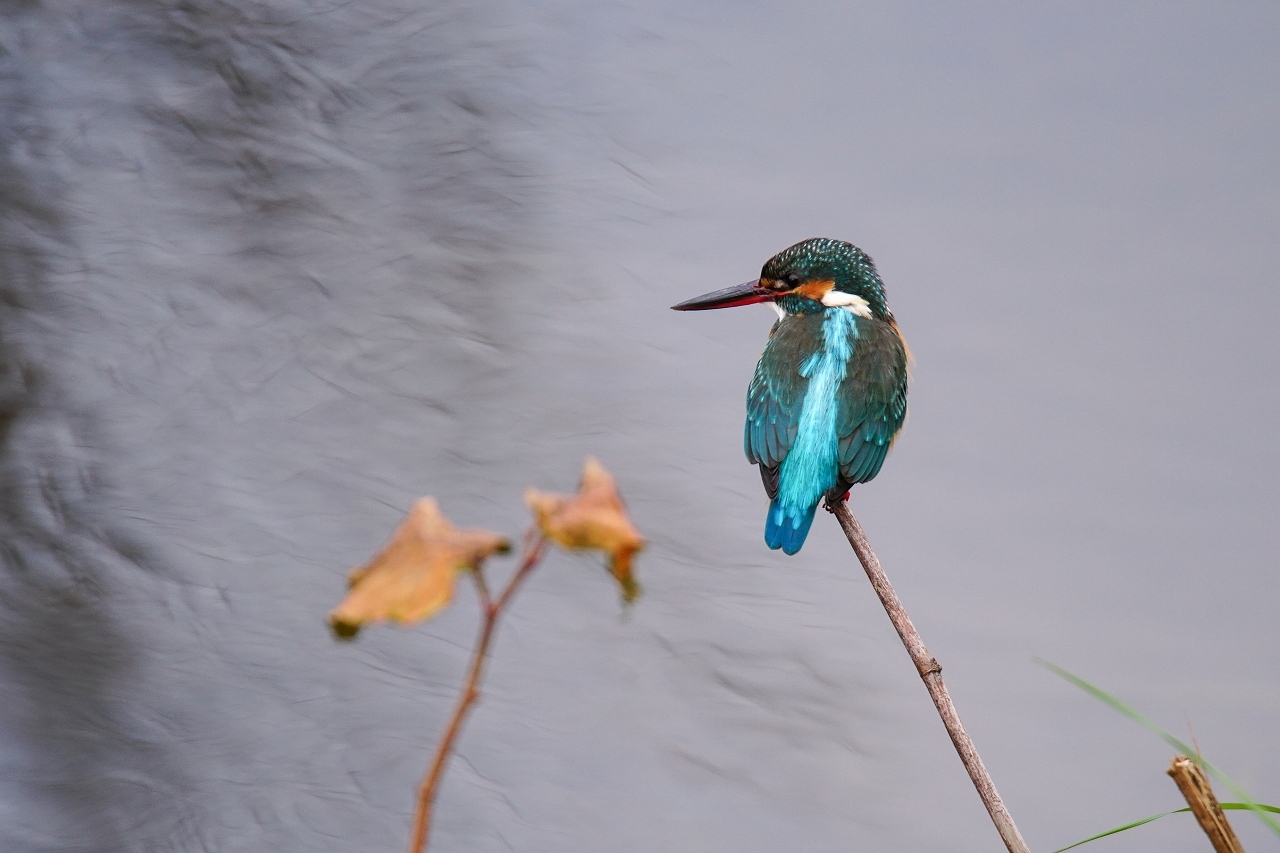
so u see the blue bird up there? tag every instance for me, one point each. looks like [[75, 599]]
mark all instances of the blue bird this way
[[830, 392]]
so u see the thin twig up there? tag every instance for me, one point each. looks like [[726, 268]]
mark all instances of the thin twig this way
[[491, 611], [1191, 781], [931, 672], [482, 590]]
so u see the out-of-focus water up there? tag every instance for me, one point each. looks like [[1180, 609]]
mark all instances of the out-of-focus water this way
[[272, 270]]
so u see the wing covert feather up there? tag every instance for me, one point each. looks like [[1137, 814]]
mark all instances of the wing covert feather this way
[[873, 401], [776, 394]]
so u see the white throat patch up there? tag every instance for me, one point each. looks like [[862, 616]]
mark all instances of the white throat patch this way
[[782, 315], [852, 303]]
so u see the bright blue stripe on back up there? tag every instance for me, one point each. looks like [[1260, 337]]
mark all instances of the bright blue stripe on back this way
[[812, 465]]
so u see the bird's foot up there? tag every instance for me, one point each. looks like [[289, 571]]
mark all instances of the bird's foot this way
[[830, 505]]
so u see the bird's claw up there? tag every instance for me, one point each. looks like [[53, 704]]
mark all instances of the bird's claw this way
[[830, 506]]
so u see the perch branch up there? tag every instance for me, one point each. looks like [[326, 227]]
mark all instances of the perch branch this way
[[931, 672]]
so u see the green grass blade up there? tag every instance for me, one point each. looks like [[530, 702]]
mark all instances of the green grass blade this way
[[1101, 695], [1225, 806], [1246, 807], [1119, 829]]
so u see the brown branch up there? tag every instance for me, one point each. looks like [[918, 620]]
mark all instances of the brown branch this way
[[1191, 781], [491, 611], [931, 673], [482, 590]]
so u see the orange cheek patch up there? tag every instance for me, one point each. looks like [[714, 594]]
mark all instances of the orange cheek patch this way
[[815, 290]]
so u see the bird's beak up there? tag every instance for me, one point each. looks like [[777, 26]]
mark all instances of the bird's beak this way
[[743, 294]]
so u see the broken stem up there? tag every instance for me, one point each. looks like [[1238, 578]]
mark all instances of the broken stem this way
[[491, 611], [1195, 788], [931, 673]]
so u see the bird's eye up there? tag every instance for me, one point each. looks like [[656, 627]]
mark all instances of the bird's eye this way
[[793, 280]]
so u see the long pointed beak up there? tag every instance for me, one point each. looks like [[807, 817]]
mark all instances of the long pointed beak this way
[[743, 294]]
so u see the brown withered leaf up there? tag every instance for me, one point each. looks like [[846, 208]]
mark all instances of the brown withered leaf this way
[[593, 519], [412, 577]]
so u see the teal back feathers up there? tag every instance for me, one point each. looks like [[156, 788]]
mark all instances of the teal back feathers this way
[[829, 392]]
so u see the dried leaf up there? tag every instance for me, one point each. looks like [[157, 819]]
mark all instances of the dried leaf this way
[[593, 519], [412, 577]]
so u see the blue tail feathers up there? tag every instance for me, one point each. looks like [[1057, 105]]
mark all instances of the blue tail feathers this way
[[786, 528]]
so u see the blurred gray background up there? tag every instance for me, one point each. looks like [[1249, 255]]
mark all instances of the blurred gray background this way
[[270, 271]]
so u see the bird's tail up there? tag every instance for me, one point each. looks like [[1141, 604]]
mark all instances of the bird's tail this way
[[786, 528]]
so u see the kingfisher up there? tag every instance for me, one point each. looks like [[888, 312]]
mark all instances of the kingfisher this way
[[829, 393]]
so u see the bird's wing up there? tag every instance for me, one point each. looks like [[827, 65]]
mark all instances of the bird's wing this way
[[873, 400], [774, 401]]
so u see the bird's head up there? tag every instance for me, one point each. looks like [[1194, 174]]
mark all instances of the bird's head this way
[[811, 275]]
